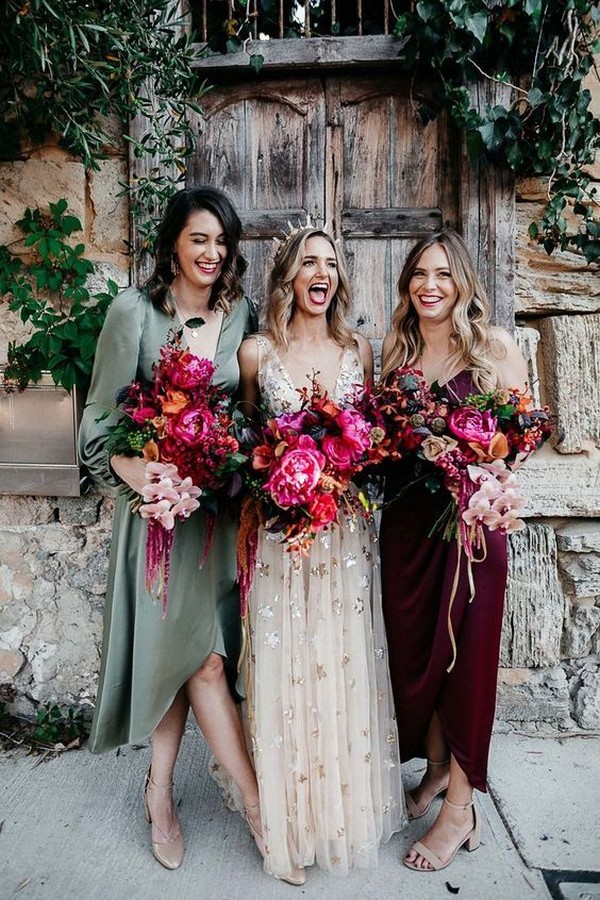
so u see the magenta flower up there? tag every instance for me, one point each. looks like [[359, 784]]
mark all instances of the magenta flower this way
[[189, 372], [339, 453], [469, 424], [191, 426], [143, 414], [356, 432], [294, 479]]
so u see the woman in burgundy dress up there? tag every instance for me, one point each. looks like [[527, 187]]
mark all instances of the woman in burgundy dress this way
[[441, 326]]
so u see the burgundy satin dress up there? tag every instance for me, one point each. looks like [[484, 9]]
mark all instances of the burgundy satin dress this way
[[417, 574]]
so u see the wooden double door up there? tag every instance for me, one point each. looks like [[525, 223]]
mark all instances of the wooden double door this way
[[350, 152]]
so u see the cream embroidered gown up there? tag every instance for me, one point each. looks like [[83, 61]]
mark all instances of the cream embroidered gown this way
[[321, 711]]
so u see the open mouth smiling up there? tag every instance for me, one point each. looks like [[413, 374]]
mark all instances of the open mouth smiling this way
[[318, 291]]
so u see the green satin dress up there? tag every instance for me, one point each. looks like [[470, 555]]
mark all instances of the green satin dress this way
[[145, 658]]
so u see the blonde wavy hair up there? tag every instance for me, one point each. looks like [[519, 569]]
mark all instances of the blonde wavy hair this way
[[280, 291], [470, 341]]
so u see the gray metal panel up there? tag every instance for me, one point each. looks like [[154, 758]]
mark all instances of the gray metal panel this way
[[38, 441]]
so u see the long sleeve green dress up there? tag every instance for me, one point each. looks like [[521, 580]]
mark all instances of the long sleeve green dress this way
[[145, 658]]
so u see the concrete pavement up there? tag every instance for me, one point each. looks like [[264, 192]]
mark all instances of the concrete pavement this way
[[73, 827]]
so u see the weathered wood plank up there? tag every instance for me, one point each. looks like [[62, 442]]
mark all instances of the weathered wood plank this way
[[385, 222], [293, 53], [267, 223], [368, 265], [487, 215]]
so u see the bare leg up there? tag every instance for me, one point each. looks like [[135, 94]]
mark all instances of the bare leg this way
[[221, 726], [452, 825], [166, 740], [436, 776]]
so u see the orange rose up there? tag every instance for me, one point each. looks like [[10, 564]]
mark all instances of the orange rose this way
[[175, 402]]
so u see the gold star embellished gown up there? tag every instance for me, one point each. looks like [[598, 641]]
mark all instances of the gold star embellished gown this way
[[321, 711]]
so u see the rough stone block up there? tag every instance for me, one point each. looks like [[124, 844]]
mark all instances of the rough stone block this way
[[11, 662], [110, 225], [535, 606], [35, 182], [586, 706], [528, 340], [581, 536], [581, 573], [555, 484], [16, 511], [533, 188], [582, 628], [543, 698], [78, 510], [546, 284], [572, 376], [105, 272]]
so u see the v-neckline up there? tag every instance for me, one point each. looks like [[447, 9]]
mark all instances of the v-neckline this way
[[213, 360], [288, 377]]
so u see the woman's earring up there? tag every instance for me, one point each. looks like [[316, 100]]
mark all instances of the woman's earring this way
[[174, 265]]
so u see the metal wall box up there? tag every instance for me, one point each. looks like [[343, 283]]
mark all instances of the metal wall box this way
[[38, 440]]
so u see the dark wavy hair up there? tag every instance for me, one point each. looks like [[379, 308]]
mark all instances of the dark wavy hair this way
[[228, 287]]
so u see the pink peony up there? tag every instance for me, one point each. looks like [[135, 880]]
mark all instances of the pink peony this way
[[191, 426], [190, 371], [469, 424], [294, 479], [338, 452], [356, 432]]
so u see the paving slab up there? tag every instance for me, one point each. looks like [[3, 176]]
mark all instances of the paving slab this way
[[547, 790], [73, 827]]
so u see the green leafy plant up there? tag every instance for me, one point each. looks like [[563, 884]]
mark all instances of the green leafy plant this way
[[50, 294], [65, 66], [543, 49], [54, 726]]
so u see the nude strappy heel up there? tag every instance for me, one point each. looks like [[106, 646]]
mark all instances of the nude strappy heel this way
[[297, 876], [415, 812], [169, 853], [471, 841]]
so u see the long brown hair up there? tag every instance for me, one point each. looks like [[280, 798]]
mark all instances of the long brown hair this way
[[469, 342], [280, 291]]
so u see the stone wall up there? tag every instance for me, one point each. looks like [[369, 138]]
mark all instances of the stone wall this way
[[550, 658], [53, 552]]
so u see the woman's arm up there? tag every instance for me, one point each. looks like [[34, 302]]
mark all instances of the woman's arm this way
[[248, 391], [115, 366], [366, 355]]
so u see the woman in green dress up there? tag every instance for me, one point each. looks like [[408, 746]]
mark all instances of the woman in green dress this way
[[153, 669]]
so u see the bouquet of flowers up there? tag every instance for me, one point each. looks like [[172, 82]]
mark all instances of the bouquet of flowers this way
[[301, 465], [470, 446], [181, 424]]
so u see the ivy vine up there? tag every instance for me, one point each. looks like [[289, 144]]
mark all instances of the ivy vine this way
[[544, 49], [50, 294], [67, 65]]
